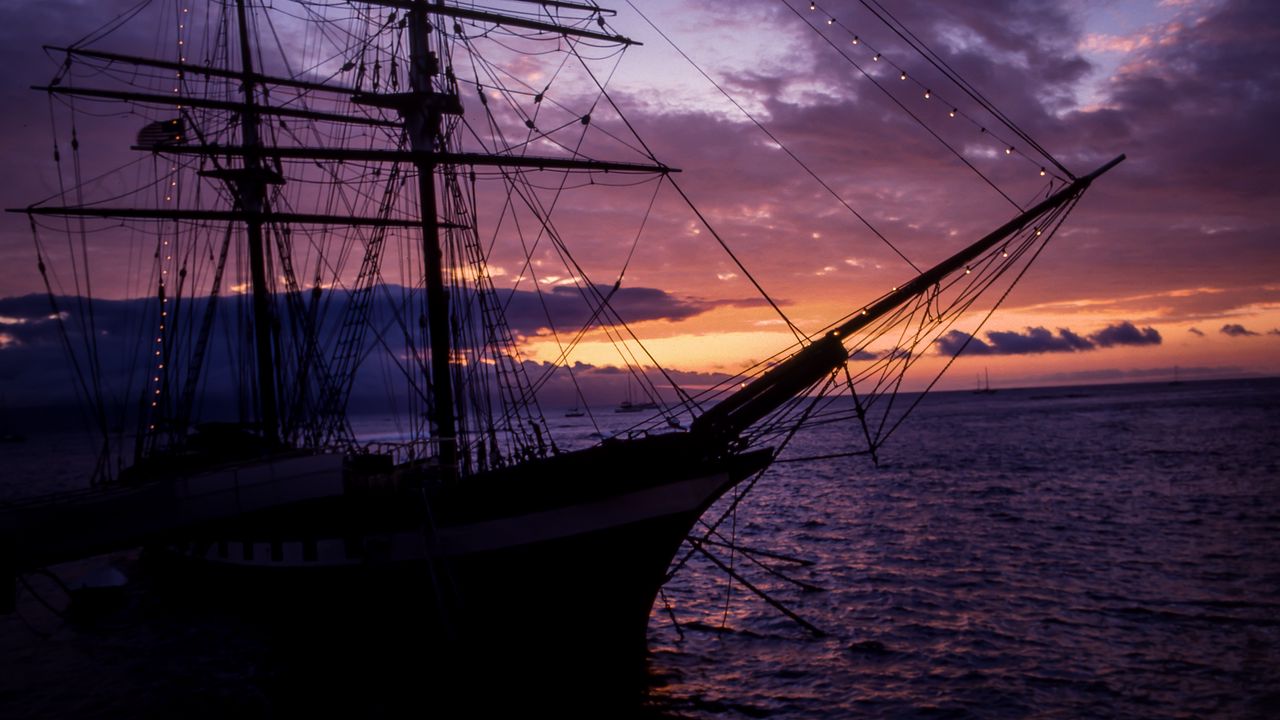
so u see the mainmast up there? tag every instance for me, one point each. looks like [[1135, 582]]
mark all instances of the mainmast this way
[[249, 183]]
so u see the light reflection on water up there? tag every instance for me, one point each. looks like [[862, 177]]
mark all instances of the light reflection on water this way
[[1092, 552]]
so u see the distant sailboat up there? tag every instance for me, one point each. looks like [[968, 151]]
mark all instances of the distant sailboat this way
[[630, 406], [984, 389], [7, 433]]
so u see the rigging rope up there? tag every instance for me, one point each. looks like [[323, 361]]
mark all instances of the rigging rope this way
[[648, 151], [900, 104], [938, 62], [774, 138]]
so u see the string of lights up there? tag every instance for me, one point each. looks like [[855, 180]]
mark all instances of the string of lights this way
[[1000, 145], [165, 253]]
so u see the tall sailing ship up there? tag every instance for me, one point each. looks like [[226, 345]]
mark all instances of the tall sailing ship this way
[[321, 189]]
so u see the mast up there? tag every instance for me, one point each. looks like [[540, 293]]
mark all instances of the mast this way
[[250, 184], [422, 112]]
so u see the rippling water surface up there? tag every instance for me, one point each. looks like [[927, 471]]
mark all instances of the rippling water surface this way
[[1085, 552], [1091, 552]]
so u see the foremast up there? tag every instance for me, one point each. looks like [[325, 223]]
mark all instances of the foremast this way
[[249, 184]]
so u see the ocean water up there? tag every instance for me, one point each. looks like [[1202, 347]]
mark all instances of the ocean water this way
[[1055, 553]]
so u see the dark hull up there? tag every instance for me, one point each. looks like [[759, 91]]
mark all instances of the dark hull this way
[[565, 556]]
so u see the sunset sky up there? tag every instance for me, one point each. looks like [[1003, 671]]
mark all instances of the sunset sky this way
[[1171, 259]]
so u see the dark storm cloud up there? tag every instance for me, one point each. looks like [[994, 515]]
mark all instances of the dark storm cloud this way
[[1237, 330], [1039, 340], [1125, 333], [37, 369]]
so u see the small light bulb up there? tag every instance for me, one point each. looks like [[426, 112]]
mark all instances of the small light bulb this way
[[927, 93], [813, 6], [1008, 150], [831, 21], [967, 270], [1037, 232], [1041, 172], [952, 113], [876, 58], [855, 39], [903, 76]]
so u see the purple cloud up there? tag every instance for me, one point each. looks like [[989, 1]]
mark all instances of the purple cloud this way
[[1125, 333], [1037, 340], [33, 354], [1237, 330], [1003, 342]]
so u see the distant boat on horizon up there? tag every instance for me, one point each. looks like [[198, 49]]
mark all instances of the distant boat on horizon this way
[[630, 406], [980, 388], [626, 406]]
